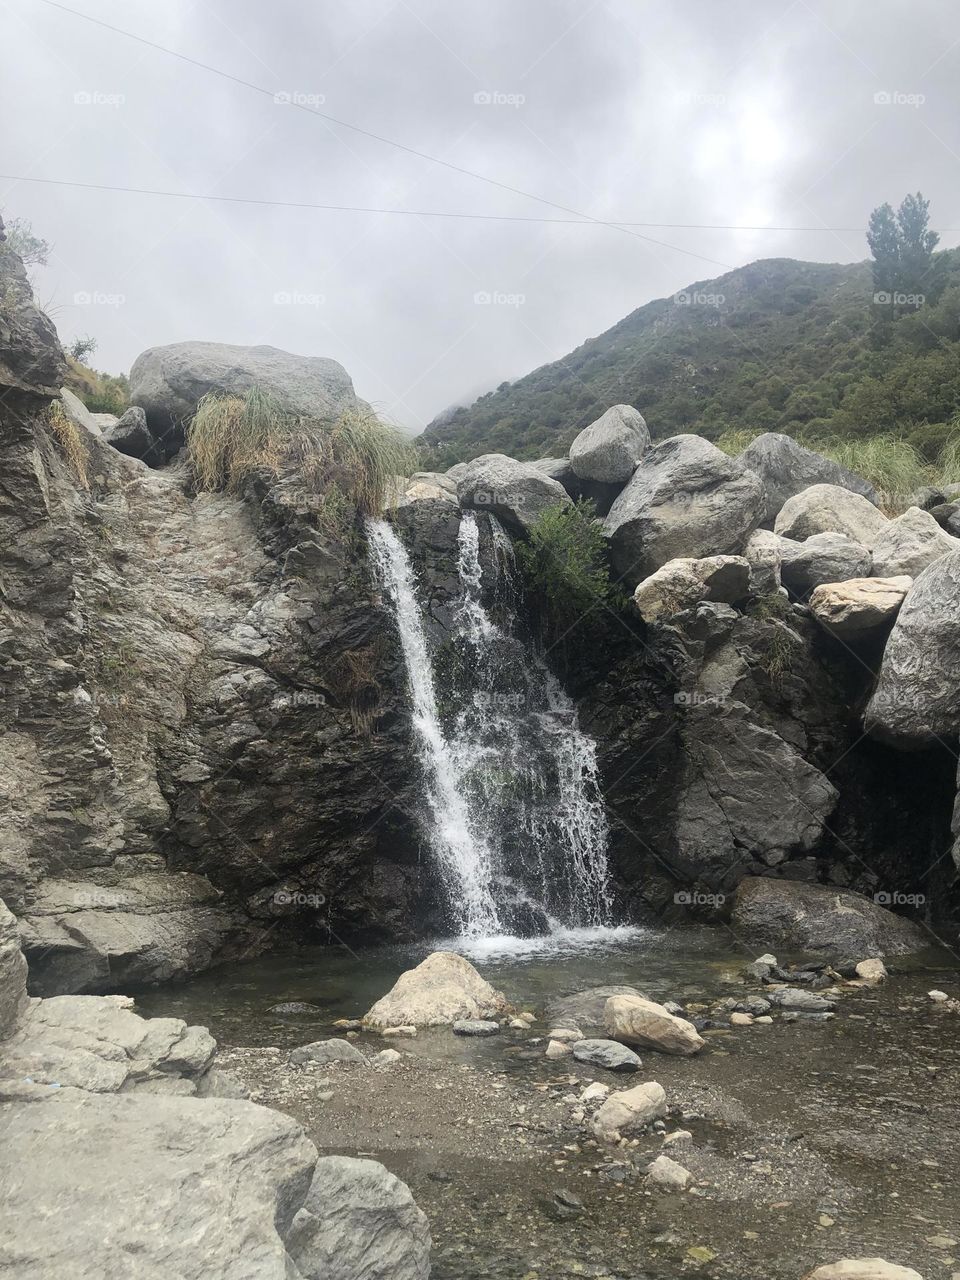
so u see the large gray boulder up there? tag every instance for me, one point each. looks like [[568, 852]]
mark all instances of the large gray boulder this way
[[168, 382], [13, 973], [790, 916], [686, 498], [609, 449], [150, 1187], [908, 544], [824, 557], [828, 508], [515, 492], [917, 697], [861, 606], [359, 1222], [786, 468]]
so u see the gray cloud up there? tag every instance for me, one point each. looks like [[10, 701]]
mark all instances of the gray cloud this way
[[800, 114]]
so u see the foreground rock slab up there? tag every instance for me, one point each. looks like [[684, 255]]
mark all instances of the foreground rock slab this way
[[646, 1023], [917, 698], [445, 988], [359, 1222], [860, 606], [150, 1187], [812, 917]]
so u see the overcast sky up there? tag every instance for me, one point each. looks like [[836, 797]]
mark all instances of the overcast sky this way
[[800, 113]]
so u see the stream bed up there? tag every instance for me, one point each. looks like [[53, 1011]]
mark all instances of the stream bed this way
[[810, 1141]]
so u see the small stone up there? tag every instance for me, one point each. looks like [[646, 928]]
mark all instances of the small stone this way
[[290, 1007], [556, 1049], [518, 1024], [385, 1058], [606, 1053], [325, 1095], [348, 1024], [326, 1051], [825, 1220], [666, 1173], [794, 998], [565, 1034], [765, 1019], [398, 1031], [872, 972], [701, 1253], [679, 1137], [741, 1019], [938, 997], [595, 1092], [475, 1027]]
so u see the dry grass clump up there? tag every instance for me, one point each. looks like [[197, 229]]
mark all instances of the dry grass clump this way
[[891, 464], [70, 439], [230, 437]]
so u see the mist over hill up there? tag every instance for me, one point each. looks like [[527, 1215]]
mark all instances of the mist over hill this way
[[778, 345]]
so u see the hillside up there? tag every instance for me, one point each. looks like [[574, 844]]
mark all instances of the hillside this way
[[778, 345]]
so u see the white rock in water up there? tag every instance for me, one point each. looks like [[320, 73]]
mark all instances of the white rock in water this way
[[557, 1049], [872, 971], [398, 1031], [863, 1269], [565, 1034], [938, 997], [648, 1024], [445, 988], [666, 1173], [630, 1109]]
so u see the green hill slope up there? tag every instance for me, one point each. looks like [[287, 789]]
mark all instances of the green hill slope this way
[[778, 345]]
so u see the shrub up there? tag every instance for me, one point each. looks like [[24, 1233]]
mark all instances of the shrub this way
[[564, 567], [354, 459]]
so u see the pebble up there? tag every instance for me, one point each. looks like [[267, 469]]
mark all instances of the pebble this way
[[679, 1137], [565, 1034], [556, 1049], [385, 1058], [295, 1006], [741, 1019], [595, 1092], [938, 997], [349, 1024], [399, 1031], [475, 1027]]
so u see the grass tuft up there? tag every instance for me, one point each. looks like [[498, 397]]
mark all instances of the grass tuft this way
[[353, 460], [891, 464], [70, 439]]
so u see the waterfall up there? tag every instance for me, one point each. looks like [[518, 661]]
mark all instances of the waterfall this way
[[514, 815]]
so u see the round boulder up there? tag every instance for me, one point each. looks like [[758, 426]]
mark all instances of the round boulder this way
[[610, 448]]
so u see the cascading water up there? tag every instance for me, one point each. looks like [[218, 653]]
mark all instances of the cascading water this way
[[515, 819]]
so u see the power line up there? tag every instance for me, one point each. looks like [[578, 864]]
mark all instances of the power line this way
[[367, 133], [410, 213]]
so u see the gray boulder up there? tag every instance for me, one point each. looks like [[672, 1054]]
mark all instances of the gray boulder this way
[[132, 436], [78, 412], [917, 697], [359, 1222], [559, 469], [764, 552], [152, 1187], [908, 544], [811, 917], [607, 1054], [685, 499], [170, 381], [609, 449], [515, 492], [824, 557], [323, 1052], [13, 973], [860, 606], [32, 364], [786, 468], [828, 508]]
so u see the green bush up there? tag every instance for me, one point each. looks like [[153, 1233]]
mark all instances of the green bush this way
[[565, 570]]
